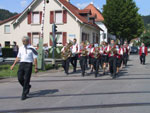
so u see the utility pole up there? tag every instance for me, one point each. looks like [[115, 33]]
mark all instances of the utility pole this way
[[40, 51], [54, 30]]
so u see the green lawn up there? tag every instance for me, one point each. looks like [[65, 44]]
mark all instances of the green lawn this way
[[6, 72]]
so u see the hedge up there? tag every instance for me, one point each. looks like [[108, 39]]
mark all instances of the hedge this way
[[7, 52]]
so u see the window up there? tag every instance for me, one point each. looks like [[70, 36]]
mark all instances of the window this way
[[58, 17], [35, 18], [35, 39], [94, 38], [7, 29], [85, 37], [60, 38]]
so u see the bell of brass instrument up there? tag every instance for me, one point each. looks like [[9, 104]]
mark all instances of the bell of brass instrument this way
[[96, 53], [84, 52], [113, 50], [66, 53]]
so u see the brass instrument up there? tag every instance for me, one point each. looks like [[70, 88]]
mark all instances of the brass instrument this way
[[113, 51], [66, 53], [84, 52], [96, 53]]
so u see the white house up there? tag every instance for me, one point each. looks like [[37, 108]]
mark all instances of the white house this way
[[99, 19], [71, 23]]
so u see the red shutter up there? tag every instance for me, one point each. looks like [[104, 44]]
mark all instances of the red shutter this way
[[40, 17], [51, 43], [29, 17], [64, 16], [64, 38], [51, 17], [29, 35]]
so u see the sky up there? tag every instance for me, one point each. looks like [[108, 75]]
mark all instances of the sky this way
[[19, 5]]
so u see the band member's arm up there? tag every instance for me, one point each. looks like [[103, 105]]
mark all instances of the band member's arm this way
[[16, 60]]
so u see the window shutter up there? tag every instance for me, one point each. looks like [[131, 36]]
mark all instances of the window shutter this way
[[40, 17], [29, 35], [64, 38], [51, 17], [29, 17], [51, 43], [64, 16]]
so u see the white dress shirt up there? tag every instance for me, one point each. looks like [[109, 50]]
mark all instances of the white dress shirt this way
[[25, 54], [75, 48], [143, 49]]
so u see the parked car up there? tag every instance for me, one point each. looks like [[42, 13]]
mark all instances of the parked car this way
[[134, 50]]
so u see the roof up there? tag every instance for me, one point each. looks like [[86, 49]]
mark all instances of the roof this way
[[95, 11], [76, 11], [9, 19], [85, 11]]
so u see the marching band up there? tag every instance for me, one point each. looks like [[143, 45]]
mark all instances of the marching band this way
[[108, 57]]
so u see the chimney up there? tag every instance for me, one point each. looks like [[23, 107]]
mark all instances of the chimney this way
[[68, 0]]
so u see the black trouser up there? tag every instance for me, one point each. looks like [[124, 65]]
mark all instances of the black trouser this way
[[74, 61], [112, 65], [125, 58], [65, 65], [142, 58], [83, 64], [95, 62], [24, 75]]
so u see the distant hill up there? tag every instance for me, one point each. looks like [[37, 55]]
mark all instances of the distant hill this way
[[5, 14], [146, 20]]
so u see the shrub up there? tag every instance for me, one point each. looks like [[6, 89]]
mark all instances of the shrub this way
[[7, 52]]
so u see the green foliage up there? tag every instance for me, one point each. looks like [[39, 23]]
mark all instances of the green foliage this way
[[6, 72], [122, 19], [146, 38], [5, 14], [57, 55], [7, 52], [146, 20]]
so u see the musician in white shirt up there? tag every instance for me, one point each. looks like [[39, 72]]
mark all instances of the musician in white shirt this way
[[27, 55], [75, 51]]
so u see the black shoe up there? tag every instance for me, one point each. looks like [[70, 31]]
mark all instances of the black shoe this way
[[24, 97], [114, 76], [74, 70], [83, 74], [66, 73], [104, 73]]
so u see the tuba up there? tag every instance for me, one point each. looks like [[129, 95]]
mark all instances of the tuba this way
[[66, 53], [96, 53]]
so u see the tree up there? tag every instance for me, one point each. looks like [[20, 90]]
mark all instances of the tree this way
[[122, 19]]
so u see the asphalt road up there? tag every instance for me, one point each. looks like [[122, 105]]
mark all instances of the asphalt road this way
[[58, 93]]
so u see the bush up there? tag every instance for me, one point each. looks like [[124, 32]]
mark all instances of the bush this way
[[57, 55], [7, 52]]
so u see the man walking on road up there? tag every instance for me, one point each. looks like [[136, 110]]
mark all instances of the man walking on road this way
[[143, 53], [27, 54]]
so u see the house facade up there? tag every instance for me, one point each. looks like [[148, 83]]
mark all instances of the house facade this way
[[99, 20], [70, 21]]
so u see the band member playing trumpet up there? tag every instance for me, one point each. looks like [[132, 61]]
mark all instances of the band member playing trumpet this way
[[104, 56], [119, 57], [83, 56], [126, 53], [95, 58], [74, 57], [65, 54], [112, 53]]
